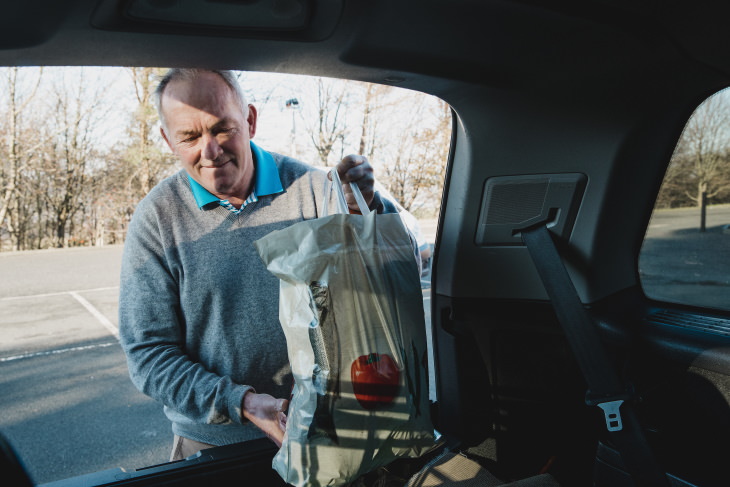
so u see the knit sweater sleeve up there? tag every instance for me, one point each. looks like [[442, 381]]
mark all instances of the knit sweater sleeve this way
[[151, 329]]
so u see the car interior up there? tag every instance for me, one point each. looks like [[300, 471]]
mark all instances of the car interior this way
[[550, 356]]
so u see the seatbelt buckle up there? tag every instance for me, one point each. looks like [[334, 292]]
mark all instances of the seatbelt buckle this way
[[612, 414], [611, 410]]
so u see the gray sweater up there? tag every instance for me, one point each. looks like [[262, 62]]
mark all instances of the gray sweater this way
[[198, 311]]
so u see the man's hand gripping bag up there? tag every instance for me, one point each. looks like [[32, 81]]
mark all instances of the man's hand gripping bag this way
[[351, 308]]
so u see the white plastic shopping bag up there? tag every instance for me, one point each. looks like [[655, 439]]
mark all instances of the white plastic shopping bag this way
[[352, 311]]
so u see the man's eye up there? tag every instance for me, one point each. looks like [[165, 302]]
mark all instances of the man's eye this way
[[226, 130]]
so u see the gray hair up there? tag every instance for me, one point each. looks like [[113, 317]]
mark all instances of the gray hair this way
[[191, 74]]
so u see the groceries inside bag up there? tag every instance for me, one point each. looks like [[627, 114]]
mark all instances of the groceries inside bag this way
[[351, 308]]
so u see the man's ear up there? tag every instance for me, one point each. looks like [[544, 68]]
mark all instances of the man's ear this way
[[252, 119], [167, 141]]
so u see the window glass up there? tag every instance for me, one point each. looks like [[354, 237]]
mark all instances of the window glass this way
[[81, 147], [684, 256]]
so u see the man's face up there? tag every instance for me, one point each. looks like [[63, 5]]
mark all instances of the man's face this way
[[207, 131]]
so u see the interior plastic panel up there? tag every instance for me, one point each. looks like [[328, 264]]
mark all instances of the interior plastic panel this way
[[512, 203]]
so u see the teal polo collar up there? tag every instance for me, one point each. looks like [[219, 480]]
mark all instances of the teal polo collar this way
[[266, 179]]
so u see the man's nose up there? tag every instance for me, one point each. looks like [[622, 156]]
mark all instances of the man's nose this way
[[211, 148]]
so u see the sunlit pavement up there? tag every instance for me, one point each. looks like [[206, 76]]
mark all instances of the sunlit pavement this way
[[68, 405]]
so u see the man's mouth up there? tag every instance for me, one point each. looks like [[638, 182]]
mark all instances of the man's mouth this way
[[216, 165]]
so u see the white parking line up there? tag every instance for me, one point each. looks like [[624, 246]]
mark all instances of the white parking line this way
[[97, 314], [86, 304], [54, 352], [31, 296]]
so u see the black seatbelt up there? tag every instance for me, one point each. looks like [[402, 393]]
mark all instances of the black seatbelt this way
[[604, 387]]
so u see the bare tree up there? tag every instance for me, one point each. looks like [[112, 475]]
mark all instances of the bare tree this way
[[329, 126], [701, 158], [144, 155], [413, 154], [380, 104], [16, 156], [366, 134], [77, 111], [62, 183], [130, 169]]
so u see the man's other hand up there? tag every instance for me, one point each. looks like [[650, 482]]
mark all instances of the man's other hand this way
[[356, 169], [267, 413]]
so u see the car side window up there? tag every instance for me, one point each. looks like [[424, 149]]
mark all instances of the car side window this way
[[684, 256]]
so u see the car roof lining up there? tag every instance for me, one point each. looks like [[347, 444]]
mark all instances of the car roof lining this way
[[586, 38]]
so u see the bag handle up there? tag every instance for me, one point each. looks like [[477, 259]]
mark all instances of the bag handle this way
[[335, 184]]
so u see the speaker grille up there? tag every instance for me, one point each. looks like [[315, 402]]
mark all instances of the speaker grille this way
[[516, 202]]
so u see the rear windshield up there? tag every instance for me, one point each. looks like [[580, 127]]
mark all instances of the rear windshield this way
[[82, 147]]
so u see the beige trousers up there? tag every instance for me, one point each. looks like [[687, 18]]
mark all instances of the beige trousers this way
[[184, 447]]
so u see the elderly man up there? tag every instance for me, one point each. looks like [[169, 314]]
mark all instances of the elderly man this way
[[198, 311]]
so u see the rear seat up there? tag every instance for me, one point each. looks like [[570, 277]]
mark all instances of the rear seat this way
[[456, 470]]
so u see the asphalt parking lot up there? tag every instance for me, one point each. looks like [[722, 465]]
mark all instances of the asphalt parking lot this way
[[68, 405], [683, 265]]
